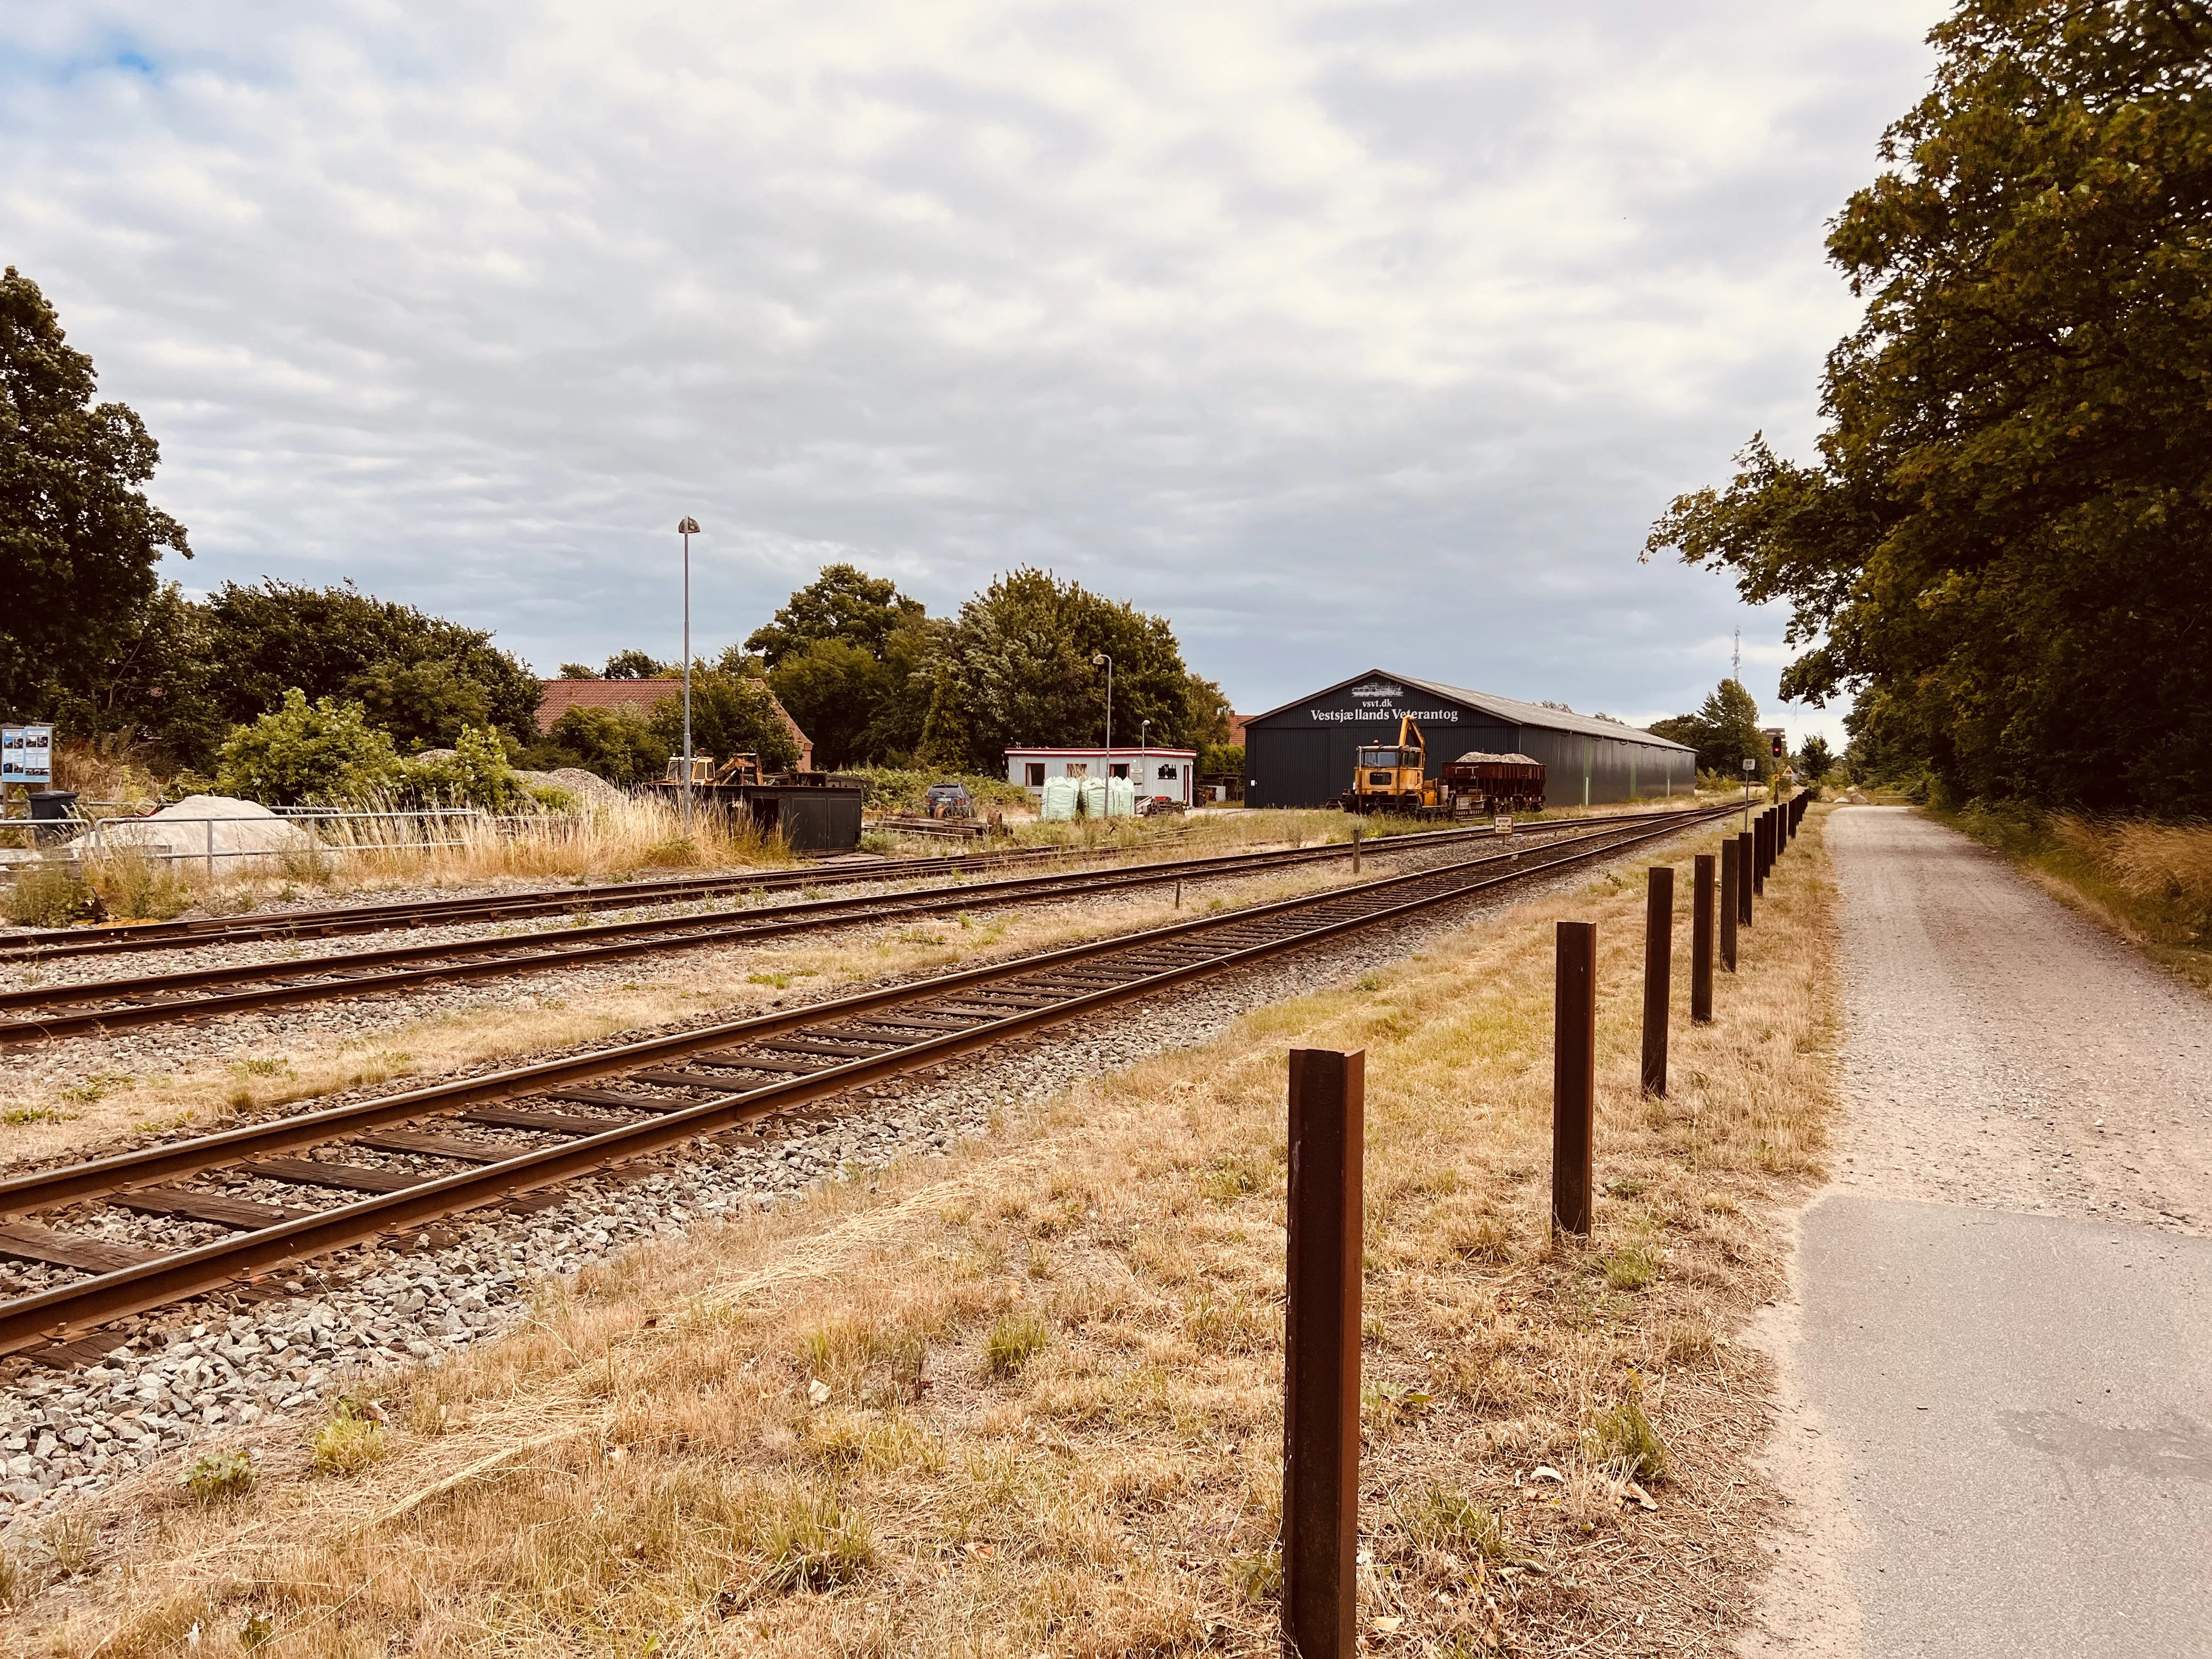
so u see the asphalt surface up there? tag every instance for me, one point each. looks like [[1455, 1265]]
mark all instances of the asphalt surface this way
[[2022, 1407], [1996, 1428]]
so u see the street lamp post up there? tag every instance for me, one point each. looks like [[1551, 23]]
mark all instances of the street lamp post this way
[[1096, 658], [1144, 756], [687, 527]]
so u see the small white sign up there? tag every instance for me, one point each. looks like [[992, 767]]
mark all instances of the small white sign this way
[[27, 754]]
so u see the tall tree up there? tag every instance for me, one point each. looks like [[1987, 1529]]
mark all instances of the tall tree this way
[[636, 665], [730, 715], [1018, 668], [1724, 731], [1212, 714], [849, 656], [78, 539], [833, 688], [843, 603], [422, 679], [2004, 546]]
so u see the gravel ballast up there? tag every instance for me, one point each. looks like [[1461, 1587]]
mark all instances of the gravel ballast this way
[[183, 1377]]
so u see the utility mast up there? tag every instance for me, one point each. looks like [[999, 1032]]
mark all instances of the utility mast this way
[[1735, 659]]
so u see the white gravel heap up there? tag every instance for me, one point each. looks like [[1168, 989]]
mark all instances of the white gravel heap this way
[[587, 789], [240, 827]]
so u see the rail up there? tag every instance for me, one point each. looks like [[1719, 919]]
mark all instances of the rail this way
[[47, 1012], [732, 1072], [53, 944]]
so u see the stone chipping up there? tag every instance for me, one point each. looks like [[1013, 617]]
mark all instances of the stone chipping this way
[[177, 1382]]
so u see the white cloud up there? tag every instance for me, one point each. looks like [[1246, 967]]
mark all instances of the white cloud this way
[[1341, 334]]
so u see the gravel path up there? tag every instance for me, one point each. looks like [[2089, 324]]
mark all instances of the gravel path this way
[[1994, 1432], [2004, 1051]]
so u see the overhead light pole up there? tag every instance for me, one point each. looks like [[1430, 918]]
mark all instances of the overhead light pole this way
[[1098, 657], [687, 527]]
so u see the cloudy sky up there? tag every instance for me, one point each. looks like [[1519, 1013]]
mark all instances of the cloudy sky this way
[[1344, 335]]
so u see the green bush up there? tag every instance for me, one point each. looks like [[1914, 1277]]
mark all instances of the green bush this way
[[1011, 1343], [325, 754], [216, 1476], [617, 744], [731, 715], [1624, 1441], [1447, 1520], [49, 895], [809, 1540], [475, 774]]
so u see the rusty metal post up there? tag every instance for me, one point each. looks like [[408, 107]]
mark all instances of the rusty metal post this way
[[1743, 884], [1701, 941], [1321, 1368], [1574, 1075], [1658, 972], [1355, 846], [1731, 887]]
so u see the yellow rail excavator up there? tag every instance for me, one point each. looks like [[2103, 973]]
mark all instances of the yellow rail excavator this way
[[1394, 779], [739, 768]]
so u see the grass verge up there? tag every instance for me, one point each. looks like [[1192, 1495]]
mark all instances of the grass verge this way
[[1027, 1399]]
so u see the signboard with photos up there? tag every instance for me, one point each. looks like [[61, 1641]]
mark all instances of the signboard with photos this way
[[27, 754]]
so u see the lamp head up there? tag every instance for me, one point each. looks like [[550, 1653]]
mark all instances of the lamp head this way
[[1097, 658], [688, 528]]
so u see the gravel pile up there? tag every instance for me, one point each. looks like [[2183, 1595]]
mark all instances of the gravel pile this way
[[194, 1375]]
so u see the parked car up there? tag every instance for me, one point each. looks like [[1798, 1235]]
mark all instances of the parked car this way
[[948, 799]]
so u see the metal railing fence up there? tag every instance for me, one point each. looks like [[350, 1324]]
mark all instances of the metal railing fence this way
[[330, 830]]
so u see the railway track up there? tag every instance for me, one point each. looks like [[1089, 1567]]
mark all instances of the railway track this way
[[51, 945], [47, 1011], [58, 945], [380, 1168]]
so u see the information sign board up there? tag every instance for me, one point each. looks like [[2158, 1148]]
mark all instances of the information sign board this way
[[27, 754]]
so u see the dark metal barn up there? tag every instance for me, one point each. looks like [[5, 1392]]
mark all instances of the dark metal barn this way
[[1301, 754]]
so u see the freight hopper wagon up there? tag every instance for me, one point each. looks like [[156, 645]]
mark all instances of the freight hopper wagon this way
[[1477, 784]]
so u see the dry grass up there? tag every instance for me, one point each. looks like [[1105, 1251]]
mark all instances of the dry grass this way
[[1029, 1400], [615, 841], [2168, 864], [609, 843]]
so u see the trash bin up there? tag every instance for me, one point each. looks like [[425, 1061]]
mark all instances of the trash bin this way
[[51, 809]]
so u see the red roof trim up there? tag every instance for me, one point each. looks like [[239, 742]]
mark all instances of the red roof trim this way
[[1118, 749]]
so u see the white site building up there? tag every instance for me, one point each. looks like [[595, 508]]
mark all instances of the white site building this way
[[1151, 772]]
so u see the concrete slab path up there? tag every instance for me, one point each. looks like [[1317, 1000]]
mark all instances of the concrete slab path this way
[[1996, 1423]]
